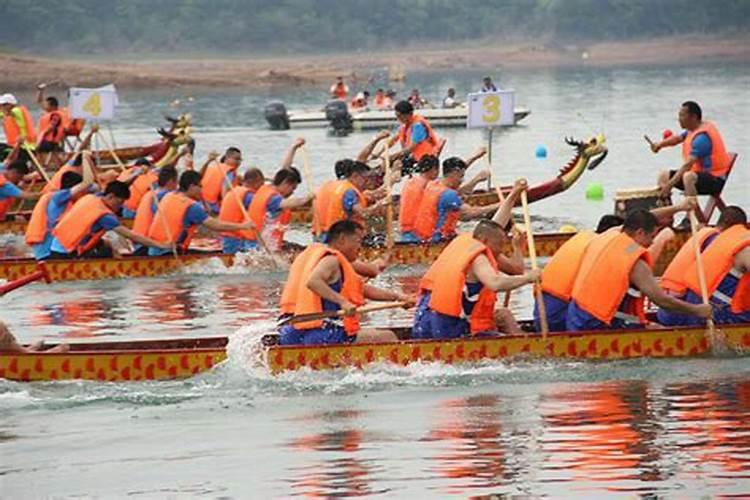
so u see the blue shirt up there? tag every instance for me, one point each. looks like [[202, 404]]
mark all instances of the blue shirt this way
[[106, 222], [701, 148], [9, 190], [351, 200], [418, 133], [195, 215], [55, 208], [448, 202]]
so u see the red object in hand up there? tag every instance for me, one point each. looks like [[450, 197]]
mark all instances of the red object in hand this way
[[666, 134]]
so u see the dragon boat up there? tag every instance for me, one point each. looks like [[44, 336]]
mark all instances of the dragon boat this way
[[171, 359], [143, 266], [588, 155]]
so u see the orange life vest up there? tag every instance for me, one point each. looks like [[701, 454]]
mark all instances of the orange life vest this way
[[335, 204], [306, 301], [172, 209], [411, 197], [426, 224], [673, 279], [214, 180], [429, 146], [56, 134], [76, 224], [560, 272], [55, 183], [320, 204], [446, 279], [720, 159], [36, 230], [140, 186], [13, 129], [73, 126], [259, 209], [339, 90], [718, 261], [231, 212], [604, 276]]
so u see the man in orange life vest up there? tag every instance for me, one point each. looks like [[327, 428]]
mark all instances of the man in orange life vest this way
[[141, 177], [725, 252], [144, 214], [79, 232], [180, 214], [51, 207], [17, 123], [220, 177], [322, 278], [52, 125], [240, 241], [441, 206], [458, 293], [615, 274], [72, 127], [339, 90], [415, 134], [9, 190], [75, 164], [705, 158]]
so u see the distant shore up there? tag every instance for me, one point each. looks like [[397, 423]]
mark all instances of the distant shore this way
[[21, 71]]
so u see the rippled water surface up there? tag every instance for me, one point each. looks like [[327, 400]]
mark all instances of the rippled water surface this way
[[560, 429]]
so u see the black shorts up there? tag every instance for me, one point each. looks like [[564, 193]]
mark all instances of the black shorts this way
[[48, 147], [707, 184]]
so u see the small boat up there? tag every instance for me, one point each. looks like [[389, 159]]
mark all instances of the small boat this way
[[590, 345], [117, 361], [143, 266]]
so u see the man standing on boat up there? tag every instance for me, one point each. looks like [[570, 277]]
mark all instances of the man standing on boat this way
[[17, 125], [488, 85], [725, 252], [614, 276], [458, 293], [339, 90], [415, 134], [322, 278], [705, 159]]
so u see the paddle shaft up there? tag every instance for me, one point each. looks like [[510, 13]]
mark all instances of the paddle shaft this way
[[38, 166], [648, 140], [701, 271], [24, 280], [301, 318], [389, 241], [534, 265], [111, 150]]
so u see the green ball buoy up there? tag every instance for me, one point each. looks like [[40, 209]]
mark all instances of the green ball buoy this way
[[594, 191]]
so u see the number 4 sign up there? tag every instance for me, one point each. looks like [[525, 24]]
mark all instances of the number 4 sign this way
[[93, 104], [490, 109]]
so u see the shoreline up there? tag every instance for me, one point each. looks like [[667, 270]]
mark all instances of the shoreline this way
[[179, 71]]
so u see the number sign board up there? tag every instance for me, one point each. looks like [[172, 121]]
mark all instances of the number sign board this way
[[490, 109], [93, 104]]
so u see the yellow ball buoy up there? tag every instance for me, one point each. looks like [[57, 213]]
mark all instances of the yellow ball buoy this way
[[568, 228]]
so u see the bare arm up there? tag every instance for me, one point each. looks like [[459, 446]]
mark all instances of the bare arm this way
[[143, 240], [643, 279], [668, 142], [299, 201], [366, 152], [375, 293], [40, 94], [479, 153], [28, 195], [217, 225], [289, 157], [467, 188], [513, 265], [742, 260], [497, 282], [325, 272], [472, 212], [660, 240], [504, 212]]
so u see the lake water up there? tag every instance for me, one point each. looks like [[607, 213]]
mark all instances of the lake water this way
[[560, 429]]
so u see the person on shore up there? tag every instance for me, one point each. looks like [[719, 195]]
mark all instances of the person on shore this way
[[415, 134], [79, 232], [245, 240], [323, 278], [458, 293], [180, 214], [705, 159], [488, 85], [149, 205], [10, 191], [339, 89], [449, 101], [219, 178], [725, 252], [615, 275]]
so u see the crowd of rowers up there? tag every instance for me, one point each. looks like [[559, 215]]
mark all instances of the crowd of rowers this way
[[595, 281]]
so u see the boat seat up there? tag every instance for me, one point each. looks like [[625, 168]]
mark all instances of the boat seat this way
[[715, 201]]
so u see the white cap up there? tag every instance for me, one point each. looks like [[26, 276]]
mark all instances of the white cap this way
[[8, 99], [360, 95]]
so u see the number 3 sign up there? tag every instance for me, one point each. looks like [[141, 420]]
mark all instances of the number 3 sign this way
[[490, 109], [93, 104]]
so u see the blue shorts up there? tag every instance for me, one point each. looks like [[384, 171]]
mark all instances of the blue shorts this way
[[328, 334], [236, 245], [410, 237], [429, 324], [557, 312]]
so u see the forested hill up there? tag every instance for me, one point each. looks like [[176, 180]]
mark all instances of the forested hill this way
[[290, 26]]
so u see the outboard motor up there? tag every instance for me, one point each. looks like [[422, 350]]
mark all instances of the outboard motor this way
[[338, 116], [276, 115]]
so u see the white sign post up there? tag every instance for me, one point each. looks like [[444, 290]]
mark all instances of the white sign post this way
[[489, 110], [96, 105]]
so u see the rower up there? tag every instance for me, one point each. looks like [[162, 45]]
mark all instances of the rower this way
[[180, 214], [705, 159], [220, 177], [441, 206], [427, 170], [74, 164], [9, 190], [9, 344], [415, 134], [141, 178], [50, 208], [17, 124], [725, 252], [322, 278], [240, 241], [144, 215], [79, 232], [458, 293], [615, 274], [271, 207]]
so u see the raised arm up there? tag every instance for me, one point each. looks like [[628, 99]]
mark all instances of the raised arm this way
[[505, 211], [289, 157], [366, 152]]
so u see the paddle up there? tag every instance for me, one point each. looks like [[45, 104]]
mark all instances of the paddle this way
[[41, 273], [301, 318], [701, 272], [308, 181], [38, 166], [111, 150], [389, 241], [534, 265], [649, 141]]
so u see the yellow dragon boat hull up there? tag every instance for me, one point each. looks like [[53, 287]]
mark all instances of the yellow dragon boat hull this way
[[117, 361]]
